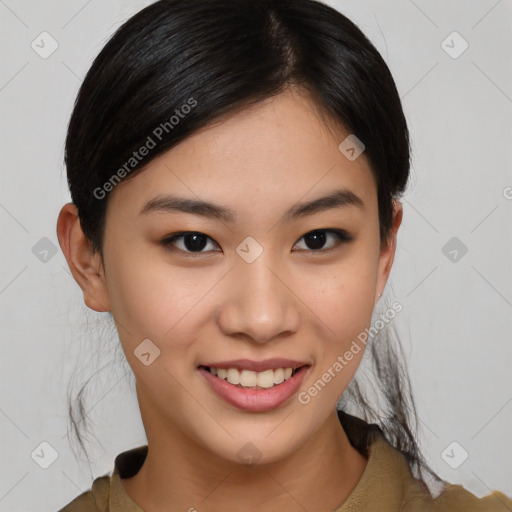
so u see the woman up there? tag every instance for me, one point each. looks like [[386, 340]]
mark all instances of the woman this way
[[235, 169]]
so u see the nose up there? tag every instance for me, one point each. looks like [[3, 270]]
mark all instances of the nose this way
[[257, 302]]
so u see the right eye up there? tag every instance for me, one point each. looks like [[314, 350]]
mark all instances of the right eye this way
[[189, 242]]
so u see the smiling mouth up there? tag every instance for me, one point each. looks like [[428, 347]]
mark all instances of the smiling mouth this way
[[248, 379]]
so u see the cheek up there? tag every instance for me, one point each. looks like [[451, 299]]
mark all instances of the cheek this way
[[343, 295], [345, 306], [151, 299]]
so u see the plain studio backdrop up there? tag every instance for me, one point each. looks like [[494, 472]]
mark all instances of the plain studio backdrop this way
[[452, 272]]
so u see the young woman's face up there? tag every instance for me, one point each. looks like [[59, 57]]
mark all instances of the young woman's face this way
[[253, 286]]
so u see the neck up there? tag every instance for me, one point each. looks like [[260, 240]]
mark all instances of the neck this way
[[318, 476]]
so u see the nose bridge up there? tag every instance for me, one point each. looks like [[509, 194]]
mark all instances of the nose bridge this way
[[257, 302]]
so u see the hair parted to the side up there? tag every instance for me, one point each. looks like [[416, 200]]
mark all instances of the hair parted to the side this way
[[227, 55]]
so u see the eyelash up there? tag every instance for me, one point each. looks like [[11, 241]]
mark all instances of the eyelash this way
[[342, 237]]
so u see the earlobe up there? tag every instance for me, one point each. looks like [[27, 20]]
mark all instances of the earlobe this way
[[85, 265]]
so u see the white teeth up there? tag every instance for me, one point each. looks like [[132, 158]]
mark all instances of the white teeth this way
[[247, 378], [265, 379], [278, 376], [233, 376], [250, 379]]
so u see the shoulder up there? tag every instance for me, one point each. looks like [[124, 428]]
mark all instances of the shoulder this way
[[389, 484], [455, 498], [94, 500], [107, 493]]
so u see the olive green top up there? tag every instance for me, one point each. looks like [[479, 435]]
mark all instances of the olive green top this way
[[386, 485]]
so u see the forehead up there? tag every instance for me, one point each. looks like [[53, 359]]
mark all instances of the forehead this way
[[280, 150]]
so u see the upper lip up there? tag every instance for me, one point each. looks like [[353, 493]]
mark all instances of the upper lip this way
[[257, 366]]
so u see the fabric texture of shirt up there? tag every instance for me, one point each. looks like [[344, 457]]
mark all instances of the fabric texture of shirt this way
[[386, 485]]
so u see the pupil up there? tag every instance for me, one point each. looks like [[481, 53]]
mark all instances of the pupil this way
[[317, 238], [194, 242]]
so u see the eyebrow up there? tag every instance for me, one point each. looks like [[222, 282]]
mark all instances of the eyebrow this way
[[340, 198]]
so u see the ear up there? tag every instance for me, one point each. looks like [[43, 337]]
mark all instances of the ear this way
[[387, 251], [85, 265]]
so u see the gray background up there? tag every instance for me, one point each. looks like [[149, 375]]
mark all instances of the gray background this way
[[457, 314]]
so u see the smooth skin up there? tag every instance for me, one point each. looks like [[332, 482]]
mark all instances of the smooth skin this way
[[295, 301]]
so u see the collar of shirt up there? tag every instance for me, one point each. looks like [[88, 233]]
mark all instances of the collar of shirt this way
[[382, 486]]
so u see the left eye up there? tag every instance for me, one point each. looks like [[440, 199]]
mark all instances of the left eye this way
[[195, 242], [317, 238]]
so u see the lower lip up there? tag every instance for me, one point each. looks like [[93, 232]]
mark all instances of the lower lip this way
[[255, 400]]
